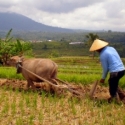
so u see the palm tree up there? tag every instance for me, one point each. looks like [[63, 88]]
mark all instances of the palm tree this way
[[91, 37]]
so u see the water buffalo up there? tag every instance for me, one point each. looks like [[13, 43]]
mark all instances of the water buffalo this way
[[44, 68]]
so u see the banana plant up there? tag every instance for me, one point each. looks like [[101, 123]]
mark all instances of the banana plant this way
[[5, 47], [10, 47]]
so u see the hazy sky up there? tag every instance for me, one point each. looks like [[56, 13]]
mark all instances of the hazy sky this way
[[75, 14]]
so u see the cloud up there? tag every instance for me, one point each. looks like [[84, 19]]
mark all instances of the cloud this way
[[51, 6], [64, 6], [75, 14], [114, 8]]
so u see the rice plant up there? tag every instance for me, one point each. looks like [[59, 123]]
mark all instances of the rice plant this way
[[34, 108]]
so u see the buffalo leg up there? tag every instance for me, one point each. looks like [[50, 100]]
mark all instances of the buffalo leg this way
[[30, 84]]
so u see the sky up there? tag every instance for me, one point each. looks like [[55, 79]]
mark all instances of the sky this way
[[73, 14]]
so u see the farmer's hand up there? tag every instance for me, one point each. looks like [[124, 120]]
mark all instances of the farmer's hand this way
[[102, 80]]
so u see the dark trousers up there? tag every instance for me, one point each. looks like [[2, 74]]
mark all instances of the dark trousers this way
[[113, 82]]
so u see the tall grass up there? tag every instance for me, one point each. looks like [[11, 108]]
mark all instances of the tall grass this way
[[28, 108]]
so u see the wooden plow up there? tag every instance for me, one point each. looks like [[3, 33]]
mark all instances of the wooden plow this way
[[92, 91], [65, 85]]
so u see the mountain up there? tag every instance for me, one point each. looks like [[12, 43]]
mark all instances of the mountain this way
[[22, 23]]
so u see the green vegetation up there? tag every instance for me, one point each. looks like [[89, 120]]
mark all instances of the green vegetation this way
[[83, 70], [30, 108], [58, 49], [61, 49], [10, 47], [37, 44], [110, 36], [19, 107]]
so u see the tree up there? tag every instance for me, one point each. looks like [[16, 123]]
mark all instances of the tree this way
[[91, 37], [10, 47]]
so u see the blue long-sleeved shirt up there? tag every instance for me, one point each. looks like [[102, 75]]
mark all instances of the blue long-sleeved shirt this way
[[111, 61]]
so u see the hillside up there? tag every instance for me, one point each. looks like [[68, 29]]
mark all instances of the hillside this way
[[21, 23]]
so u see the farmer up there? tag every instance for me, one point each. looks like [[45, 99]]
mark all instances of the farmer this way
[[112, 63]]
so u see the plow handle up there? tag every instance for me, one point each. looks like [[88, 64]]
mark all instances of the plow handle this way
[[93, 89]]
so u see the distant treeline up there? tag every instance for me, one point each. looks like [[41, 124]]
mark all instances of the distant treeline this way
[[59, 45], [58, 49], [110, 36]]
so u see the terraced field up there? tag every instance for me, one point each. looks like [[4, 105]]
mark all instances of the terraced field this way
[[54, 106]]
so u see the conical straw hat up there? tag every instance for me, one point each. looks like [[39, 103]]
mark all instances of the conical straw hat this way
[[98, 44]]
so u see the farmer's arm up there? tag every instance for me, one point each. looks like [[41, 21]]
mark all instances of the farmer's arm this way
[[104, 63]]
